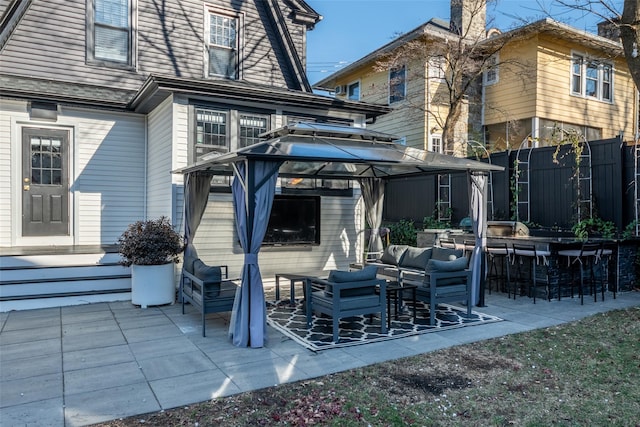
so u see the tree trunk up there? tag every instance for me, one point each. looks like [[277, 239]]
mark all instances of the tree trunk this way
[[449, 129], [630, 34]]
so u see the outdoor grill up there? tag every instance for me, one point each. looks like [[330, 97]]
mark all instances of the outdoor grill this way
[[506, 229]]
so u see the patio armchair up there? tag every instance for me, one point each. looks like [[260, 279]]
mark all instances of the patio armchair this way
[[445, 281], [345, 294], [205, 288]]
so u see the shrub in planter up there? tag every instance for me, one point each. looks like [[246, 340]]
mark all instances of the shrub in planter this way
[[151, 242], [151, 248]]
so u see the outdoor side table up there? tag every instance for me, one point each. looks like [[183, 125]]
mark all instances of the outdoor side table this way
[[293, 279], [394, 292]]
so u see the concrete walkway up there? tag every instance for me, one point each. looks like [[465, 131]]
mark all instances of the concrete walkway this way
[[78, 365]]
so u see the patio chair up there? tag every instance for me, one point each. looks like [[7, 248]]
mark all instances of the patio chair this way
[[345, 294], [445, 281], [204, 287]]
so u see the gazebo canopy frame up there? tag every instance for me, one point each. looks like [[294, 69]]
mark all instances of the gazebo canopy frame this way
[[311, 150]]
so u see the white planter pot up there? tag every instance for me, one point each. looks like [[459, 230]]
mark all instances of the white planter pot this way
[[153, 284]]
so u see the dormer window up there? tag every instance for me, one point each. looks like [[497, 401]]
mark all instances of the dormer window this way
[[110, 34], [222, 45]]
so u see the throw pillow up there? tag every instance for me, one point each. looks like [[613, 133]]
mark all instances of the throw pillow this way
[[206, 273], [393, 253], [444, 254], [367, 273], [415, 258], [190, 256], [435, 266]]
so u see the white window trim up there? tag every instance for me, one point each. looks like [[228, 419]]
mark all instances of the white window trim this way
[[583, 82], [494, 67], [210, 9], [431, 147]]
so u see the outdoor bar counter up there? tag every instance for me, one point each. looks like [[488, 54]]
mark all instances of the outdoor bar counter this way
[[619, 264]]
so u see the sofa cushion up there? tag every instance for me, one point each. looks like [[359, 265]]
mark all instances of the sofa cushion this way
[[437, 266], [445, 254], [393, 253], [206, 273], [415, 258], [367, 273]]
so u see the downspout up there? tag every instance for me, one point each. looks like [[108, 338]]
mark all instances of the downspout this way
[[146, 164], [428, 112]]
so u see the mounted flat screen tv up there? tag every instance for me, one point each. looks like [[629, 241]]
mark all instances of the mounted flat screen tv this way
[[294, 220]]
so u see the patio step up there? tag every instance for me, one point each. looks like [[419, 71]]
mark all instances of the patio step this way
[[41, 276]]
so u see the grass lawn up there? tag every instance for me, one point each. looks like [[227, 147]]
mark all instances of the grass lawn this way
[[585, 373]]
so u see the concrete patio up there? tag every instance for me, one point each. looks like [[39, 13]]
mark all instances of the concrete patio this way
[[78, 365]]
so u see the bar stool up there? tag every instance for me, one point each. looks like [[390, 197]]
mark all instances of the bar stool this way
[[530, 255], [469, 246], [584, 259], [605, 254], [498, 252]]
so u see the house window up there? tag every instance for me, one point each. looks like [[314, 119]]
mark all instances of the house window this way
[[211, 132], [576, 74], [222, 46], [436, 67], [591, 79], [353, 91], [110, 33], [251, 126], [397, 84], [436, 143], [492, 72]]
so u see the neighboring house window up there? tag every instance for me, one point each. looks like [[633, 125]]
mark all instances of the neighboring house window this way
[[397, 84], [353, 91], [591, 78], [436, 68], [222, 46], [211, 132], [576, 74], [251, 126], [491, 74], [110, 32], [436, 143]]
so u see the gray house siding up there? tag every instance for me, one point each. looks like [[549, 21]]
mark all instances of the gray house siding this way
[[169, 41], [109, 185], [159, 161]]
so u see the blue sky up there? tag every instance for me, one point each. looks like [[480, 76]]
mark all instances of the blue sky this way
[[352, 28]]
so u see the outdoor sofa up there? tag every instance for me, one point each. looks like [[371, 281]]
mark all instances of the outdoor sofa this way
[[441, 274]]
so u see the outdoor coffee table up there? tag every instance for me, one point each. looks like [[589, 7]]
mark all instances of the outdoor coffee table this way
[[293, 279], [394, 292]]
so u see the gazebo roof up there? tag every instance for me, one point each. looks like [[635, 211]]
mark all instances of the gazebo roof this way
[[338, 152]]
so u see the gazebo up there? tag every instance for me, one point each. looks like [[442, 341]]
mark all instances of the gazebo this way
[[312, 150]]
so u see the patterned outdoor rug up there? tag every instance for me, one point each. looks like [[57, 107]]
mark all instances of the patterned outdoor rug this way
[[292, 322]]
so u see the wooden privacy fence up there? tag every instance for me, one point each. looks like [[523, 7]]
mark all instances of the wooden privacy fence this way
[[552, 198]]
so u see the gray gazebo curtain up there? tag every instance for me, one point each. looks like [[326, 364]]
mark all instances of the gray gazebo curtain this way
[[196, 196], [477, 205], [373, 195], [253, 190]]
